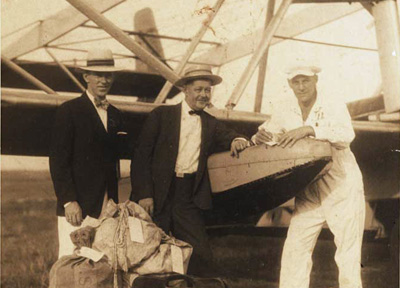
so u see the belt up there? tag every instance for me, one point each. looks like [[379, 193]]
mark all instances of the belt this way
[[185, 175]]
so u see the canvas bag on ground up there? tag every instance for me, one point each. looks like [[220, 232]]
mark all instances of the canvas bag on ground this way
[[113, 235], [173, 255], [74, 271]]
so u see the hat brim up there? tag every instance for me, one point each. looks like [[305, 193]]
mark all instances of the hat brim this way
[[101, 68], [215, 79], [306, 71]]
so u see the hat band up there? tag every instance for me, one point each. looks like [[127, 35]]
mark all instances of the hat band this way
[[106, 62], [198, 72]]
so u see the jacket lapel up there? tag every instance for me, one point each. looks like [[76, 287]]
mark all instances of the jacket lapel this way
[[205, 135], [112, 120], [174, 128], [94, 116], [205, 141]]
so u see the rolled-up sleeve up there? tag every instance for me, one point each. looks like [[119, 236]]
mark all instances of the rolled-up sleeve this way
[[335, 125]]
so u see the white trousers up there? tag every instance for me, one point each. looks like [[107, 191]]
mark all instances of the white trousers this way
[[345, 217]]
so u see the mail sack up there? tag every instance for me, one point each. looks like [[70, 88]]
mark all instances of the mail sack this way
[[74, 271], [126, 235], [173, 255]]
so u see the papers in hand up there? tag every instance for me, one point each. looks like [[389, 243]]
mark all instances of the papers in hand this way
[[275, 136], [90, 254], [271, 143], [89, 221]]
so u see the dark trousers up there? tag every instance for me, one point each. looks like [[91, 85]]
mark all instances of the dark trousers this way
[[186, 222]]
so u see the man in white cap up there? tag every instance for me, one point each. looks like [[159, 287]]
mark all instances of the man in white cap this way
[[83, 152], [168, 172], [336, 199]]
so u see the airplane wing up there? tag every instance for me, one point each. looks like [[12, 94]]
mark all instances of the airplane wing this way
[[27, 118]]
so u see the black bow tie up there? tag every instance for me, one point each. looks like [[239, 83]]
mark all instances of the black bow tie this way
[[196, 112], [101, 103]]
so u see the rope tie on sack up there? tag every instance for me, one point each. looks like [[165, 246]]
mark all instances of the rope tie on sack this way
[[119, 240]]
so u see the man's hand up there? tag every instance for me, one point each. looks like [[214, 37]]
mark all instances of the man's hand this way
[[263, 136], [237, 146], [148, 205], [73, 213], [290, 138]]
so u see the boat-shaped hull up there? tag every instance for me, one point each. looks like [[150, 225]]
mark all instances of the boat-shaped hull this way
[[263, 178]]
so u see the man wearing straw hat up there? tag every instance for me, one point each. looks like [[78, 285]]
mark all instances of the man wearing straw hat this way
[[83, 152], [168, 171], [336, 199]]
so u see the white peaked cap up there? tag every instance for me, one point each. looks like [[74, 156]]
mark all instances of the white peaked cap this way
[[302, 70]]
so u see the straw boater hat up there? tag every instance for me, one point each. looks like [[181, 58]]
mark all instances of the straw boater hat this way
[[100, 60], [302, 70], [198, 72]]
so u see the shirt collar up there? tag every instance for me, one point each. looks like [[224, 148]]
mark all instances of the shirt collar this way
[[318, 101], [91, 97], [317, 105], [185, 108]]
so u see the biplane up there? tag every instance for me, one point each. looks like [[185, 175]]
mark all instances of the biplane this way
[[155, 40]]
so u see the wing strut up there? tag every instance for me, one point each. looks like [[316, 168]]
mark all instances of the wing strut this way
[[152, 35], [387, 28], [258, 53], [53, 28], [65, 69], [293, 25], [262, 67], [27, 75], [196, 40], [124, 39]]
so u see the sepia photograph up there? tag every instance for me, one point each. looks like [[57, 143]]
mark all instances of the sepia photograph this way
[[200, 143]]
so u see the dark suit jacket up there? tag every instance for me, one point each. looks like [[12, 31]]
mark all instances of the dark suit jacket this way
[[153, 166], [83, 156]]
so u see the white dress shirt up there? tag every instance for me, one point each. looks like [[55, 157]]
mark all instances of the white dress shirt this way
[[102, 113], [189, 142]]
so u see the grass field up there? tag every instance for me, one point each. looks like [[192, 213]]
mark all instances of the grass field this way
[[29, 245]]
